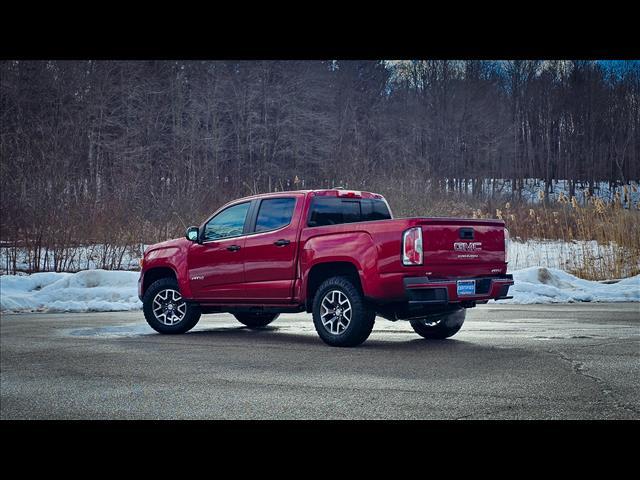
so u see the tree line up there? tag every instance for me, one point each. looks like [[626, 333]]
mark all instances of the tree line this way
[[119, 152]]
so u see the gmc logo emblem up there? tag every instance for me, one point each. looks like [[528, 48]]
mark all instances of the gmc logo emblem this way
[[467, 247]]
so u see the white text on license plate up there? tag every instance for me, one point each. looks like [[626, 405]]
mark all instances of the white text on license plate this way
[[466, 287]]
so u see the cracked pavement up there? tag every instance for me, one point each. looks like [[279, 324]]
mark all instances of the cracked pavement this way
[[563, 361]]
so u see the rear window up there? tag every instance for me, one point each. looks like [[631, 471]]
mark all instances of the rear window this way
[[334, 211]]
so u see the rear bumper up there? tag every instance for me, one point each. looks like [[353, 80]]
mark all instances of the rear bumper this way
[[423, 290]]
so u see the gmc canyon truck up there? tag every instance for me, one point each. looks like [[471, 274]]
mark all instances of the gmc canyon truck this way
[[337, 254]]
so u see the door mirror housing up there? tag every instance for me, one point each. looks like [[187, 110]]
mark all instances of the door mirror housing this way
[[192, 234]]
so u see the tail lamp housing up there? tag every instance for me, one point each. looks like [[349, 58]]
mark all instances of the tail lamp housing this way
[[412, 247], [506, 245]]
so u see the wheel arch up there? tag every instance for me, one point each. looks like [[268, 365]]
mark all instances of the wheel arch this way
[[156, 273], [323, 270]]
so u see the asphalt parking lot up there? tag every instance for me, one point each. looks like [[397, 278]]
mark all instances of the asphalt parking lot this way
[[569, 361]]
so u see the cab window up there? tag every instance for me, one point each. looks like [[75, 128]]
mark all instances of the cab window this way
[[228, 223], [274, 213]]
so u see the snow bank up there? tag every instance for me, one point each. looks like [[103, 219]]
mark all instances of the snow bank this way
[[550, 285], [102, 290], [86, 291]]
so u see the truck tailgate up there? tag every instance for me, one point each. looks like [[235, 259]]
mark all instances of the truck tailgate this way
[[450, 242]]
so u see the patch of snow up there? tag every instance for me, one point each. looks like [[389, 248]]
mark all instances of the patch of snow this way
[[551, 285], [129, 330], [86, 291]]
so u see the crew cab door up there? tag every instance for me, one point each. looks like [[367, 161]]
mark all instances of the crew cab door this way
[[216, 265], [271, 249]]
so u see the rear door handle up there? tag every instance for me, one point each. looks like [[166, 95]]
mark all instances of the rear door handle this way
[[282, 242], [233, 248]]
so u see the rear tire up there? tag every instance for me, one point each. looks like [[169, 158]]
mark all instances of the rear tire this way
[[341, 315], [166, 311], [441, 326], [256, 320]]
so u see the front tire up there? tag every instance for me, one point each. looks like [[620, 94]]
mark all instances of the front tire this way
[[166, 311], [441, 326], [340, 313], [256, 320]]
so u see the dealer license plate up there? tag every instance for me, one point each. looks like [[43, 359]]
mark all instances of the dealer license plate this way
[[466, 287]]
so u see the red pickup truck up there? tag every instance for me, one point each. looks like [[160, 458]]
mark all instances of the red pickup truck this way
[[337, 254]]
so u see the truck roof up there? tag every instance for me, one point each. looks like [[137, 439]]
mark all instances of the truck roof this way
[[329, 192]]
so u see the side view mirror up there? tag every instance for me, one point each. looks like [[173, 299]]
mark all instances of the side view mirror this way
[[192, 234]]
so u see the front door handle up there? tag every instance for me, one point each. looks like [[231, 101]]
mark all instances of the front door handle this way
[[233, 248], [282, 242]]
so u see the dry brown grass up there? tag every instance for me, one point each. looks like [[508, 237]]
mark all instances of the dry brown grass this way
[[613, 225], [615, 229]]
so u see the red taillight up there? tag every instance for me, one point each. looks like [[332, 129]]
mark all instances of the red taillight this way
[[412, 246], [506, 245]]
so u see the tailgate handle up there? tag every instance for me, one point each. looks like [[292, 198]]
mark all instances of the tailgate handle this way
[[466, 233]]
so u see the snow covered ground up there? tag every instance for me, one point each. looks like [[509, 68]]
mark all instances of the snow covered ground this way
[[551, 285], [89, 290], [102, 290]]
